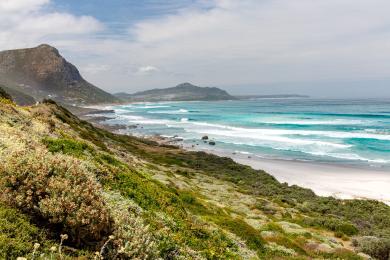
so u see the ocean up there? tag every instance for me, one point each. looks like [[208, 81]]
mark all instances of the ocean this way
[[346, 132]]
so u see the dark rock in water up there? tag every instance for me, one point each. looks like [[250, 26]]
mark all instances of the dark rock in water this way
[[101, 111], [175, 136], [205, 137], [211, 143]]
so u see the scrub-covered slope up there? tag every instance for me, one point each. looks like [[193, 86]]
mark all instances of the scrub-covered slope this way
[[69, 189]]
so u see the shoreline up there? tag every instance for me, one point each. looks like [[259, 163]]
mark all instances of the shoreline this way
[[339, 181], [325, 179]]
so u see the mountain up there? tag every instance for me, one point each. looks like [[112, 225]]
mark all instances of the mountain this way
[[41, 72], [182, 92]]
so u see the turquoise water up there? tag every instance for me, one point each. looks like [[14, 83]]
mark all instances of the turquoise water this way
[[336, 131]]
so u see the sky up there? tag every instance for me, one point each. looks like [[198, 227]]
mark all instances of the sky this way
[[322, 48]]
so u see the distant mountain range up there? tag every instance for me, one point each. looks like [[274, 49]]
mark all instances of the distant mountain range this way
[[182, 92], [33, 74]]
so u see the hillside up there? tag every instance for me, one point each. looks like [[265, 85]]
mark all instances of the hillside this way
[[182, 92], [42, 72], [71, 190]]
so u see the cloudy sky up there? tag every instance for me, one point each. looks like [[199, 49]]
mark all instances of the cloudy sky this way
[[324, 48]]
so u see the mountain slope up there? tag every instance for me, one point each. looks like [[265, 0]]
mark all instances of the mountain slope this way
[[19, 97], [42, 72], [182, 92], [88, 190]]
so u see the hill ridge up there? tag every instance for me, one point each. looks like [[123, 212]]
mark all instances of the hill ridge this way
[[42, 72], [182, 92]]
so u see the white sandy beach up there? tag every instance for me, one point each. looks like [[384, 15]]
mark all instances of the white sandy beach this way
[[344, 182]]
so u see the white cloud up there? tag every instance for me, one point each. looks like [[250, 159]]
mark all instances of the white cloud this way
[[24, 23], [21, 5], [246, 42], [256, 42], [147, 70]]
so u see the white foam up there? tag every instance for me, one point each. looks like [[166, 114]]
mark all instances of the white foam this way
[[315, 122], [141, 120], [179, 111], [332, 134], [149, 107]]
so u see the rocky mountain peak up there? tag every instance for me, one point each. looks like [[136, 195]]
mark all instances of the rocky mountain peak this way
[[48, 74]]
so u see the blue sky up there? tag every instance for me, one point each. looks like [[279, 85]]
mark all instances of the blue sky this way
[[324, 48], [119, 14]]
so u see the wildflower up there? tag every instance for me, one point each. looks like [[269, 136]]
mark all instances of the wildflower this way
[[64, 236], [53, 248], [36, 246]]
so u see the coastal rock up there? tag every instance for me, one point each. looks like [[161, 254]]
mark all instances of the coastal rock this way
[[319, 247], [205, 137], [211, 143]]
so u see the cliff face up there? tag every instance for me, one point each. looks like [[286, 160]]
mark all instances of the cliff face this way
[[43, 73]]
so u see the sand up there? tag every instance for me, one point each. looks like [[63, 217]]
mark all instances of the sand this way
[[344, 182]]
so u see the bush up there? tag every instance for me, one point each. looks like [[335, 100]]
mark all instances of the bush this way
[[58, 189], [17, 234], [336, 225], [375, 247], [67, 146], [131, 238]]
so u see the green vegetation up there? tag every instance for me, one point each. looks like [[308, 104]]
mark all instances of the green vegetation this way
[[17, 234], [67, 146], [126, 197]]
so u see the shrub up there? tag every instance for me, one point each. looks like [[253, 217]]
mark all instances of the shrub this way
[[333, 224], [58, 189], [67, 146], [17, 234], [131, 238], [375, 247]]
